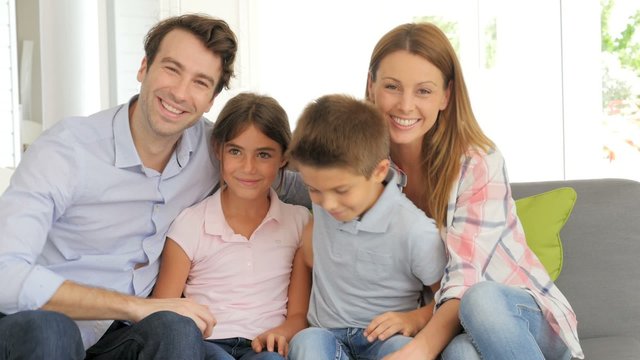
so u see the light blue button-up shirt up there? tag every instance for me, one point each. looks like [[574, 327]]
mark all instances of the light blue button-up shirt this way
[[81, 206]]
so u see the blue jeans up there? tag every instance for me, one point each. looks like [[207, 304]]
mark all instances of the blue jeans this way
[[161, 335], [39, 334], [341, 344], [236, 348], [503, 322]]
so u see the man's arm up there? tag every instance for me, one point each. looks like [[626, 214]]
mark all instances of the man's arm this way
[[86, 303]]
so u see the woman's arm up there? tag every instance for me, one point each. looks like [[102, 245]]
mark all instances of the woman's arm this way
[[277, 339], [174, 270]]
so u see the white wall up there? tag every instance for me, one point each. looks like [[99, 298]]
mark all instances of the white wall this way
[[70, 46]]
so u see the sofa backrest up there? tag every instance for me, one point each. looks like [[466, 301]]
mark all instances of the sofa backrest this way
[[601, 243]]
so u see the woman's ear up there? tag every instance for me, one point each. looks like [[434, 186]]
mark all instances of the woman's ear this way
[[447, 95], [370, 88]]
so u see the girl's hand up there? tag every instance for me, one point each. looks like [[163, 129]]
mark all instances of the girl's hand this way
[[270, 341], [388, 324]]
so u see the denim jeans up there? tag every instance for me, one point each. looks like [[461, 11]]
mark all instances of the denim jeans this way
[[39, 334], [503, 322], [161, 335], [341, 344], [236, 348]]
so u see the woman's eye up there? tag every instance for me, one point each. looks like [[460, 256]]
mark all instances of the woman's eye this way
[[424, 91]]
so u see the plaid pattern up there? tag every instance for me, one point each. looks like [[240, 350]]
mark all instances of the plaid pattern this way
[[485, 242]]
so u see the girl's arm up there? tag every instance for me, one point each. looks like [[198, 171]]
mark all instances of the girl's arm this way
[[277, 339], [174, 270]]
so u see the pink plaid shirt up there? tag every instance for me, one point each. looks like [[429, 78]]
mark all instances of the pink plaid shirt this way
[[483, 233]]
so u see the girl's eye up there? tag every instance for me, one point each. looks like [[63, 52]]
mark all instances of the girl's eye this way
[[264, 155], [233, 151], [312, 190]]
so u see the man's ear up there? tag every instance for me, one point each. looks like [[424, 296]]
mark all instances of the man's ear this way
[[381, 170], [142, 72]]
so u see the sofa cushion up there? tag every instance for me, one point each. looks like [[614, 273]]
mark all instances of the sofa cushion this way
[[542, 217], [612, 347]]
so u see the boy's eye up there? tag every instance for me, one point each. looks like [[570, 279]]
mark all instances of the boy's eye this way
[[342, 191], [264, 155], [172, 69]]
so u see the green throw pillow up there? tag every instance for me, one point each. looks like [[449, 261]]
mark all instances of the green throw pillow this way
[[542, 217]]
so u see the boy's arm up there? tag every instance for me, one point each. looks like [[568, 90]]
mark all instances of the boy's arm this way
[[407, 323], [277, 339], [174, 270]]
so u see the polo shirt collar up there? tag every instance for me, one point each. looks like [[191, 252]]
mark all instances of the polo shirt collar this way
[[377, 219], [216, 225]]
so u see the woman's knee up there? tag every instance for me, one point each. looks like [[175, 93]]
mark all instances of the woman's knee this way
[[460, 348]]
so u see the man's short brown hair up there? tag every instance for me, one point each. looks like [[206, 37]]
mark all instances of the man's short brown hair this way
[[215, 34]]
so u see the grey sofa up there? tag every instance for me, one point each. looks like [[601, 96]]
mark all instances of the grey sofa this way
[[601, 268]]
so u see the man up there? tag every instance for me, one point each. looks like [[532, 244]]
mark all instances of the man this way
[[84, 221]]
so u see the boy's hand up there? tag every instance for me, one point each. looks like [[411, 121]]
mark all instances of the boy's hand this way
[[270, 341], [388, 324]]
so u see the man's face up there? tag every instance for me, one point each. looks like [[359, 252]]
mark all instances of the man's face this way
[[177, 88]]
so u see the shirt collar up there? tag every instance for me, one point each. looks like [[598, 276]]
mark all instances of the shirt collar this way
[[377, 219], [125, 149], [214, 223]]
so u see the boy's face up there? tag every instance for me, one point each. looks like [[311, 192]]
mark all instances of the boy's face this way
[[341, 192]]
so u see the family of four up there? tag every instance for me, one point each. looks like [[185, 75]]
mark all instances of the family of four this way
[[147, 232]]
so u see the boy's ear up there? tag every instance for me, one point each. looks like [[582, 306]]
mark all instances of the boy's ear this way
[[381, 170]]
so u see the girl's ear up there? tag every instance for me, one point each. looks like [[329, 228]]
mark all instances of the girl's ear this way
[[217, 151]]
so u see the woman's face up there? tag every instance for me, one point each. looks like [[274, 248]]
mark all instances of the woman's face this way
[[410, 91]]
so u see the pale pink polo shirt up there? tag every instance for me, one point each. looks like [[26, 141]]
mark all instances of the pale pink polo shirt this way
[[243, 281]]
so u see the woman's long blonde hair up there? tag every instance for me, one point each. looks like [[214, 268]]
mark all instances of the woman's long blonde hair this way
[[455, 131]]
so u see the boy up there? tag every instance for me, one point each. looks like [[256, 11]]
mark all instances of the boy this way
[[373, 251]]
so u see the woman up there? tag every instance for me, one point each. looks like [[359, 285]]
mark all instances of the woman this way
[[494, 287]]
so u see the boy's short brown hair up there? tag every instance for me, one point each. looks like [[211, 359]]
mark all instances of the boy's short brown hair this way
[[340, 131]]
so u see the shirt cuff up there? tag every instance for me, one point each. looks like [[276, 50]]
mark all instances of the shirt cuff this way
[[39, 286]]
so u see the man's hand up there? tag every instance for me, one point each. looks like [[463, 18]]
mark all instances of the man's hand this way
[[200, 314], [271, 342]]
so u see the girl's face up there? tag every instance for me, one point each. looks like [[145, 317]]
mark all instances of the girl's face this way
[[250, 163], [410, 91]]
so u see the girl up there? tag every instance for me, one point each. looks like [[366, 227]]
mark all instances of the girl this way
[[494, 286], [237, 251]]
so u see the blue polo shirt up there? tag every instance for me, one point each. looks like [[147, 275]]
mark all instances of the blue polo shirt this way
[[373, 265]]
